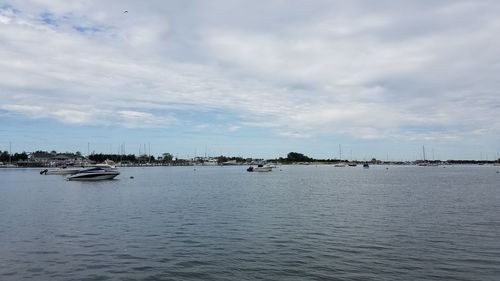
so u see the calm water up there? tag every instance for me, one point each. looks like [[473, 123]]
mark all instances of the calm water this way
[[223, 223]]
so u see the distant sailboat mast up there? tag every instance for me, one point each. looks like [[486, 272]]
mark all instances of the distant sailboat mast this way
[[423, 151], [340, 152], [339, 164]]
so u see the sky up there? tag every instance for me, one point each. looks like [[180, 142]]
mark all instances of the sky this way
[[350, 79]]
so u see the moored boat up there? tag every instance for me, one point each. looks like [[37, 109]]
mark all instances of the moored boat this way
[[93, 174], [61, 171], [260, 168]]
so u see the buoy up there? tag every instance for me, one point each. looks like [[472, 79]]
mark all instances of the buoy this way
[[131, 177]]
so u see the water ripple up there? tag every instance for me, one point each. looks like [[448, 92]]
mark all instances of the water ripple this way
[[301, 223]]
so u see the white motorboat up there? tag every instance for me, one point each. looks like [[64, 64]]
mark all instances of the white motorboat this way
[[93, 174], [61, 171], [260, 168]]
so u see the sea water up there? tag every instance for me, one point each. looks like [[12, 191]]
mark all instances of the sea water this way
[[223, 223]]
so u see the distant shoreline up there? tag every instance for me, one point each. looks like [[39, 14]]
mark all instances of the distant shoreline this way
[[489, 164]]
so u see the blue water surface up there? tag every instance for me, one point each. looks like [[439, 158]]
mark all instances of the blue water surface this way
[[223, 223]]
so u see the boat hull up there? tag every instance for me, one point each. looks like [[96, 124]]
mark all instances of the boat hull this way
[[260, 169], [94, 174], [93, 177]]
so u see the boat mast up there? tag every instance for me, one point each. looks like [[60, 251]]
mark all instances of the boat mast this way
[[10, 152], [423, 151], [340, 152]]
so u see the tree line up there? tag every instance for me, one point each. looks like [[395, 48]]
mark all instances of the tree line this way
[[295, 157], [292, 157], [6, 157], [113, 157]]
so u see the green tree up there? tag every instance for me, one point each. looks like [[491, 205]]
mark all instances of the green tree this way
[[4, 156], [222, 159], [167, 157], [297, 157], [19, 156]]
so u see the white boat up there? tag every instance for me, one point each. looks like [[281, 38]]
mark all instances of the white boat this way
[[366, 165], [104, 166], [93, 174], [260, 168], [339, 165], [61, 171], [229, 163]]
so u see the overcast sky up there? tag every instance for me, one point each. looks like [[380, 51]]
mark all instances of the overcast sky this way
[[252, 78]]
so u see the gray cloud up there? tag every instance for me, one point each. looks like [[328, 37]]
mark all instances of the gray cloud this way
[[386, 69]]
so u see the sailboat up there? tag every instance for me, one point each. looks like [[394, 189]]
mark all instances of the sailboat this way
[[340, 164], [424, 163], [9, 165], [352, 163]]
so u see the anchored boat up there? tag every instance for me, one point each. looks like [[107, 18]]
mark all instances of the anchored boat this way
[[60, 171], [93, 174], [260, 168]]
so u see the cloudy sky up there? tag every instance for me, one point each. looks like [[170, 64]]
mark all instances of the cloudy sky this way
[[252, 78]]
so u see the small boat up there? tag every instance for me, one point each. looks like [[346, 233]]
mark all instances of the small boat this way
[[352, 164], [260, 168], [365, 165], [61, 171], [339, 165], [229, 163], [93, 174]]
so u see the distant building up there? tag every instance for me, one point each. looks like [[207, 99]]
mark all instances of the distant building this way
[[43, 158]]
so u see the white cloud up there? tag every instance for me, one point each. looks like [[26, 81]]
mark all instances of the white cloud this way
[[135, 119], [30, 110], [69, 116], [363, 69]]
